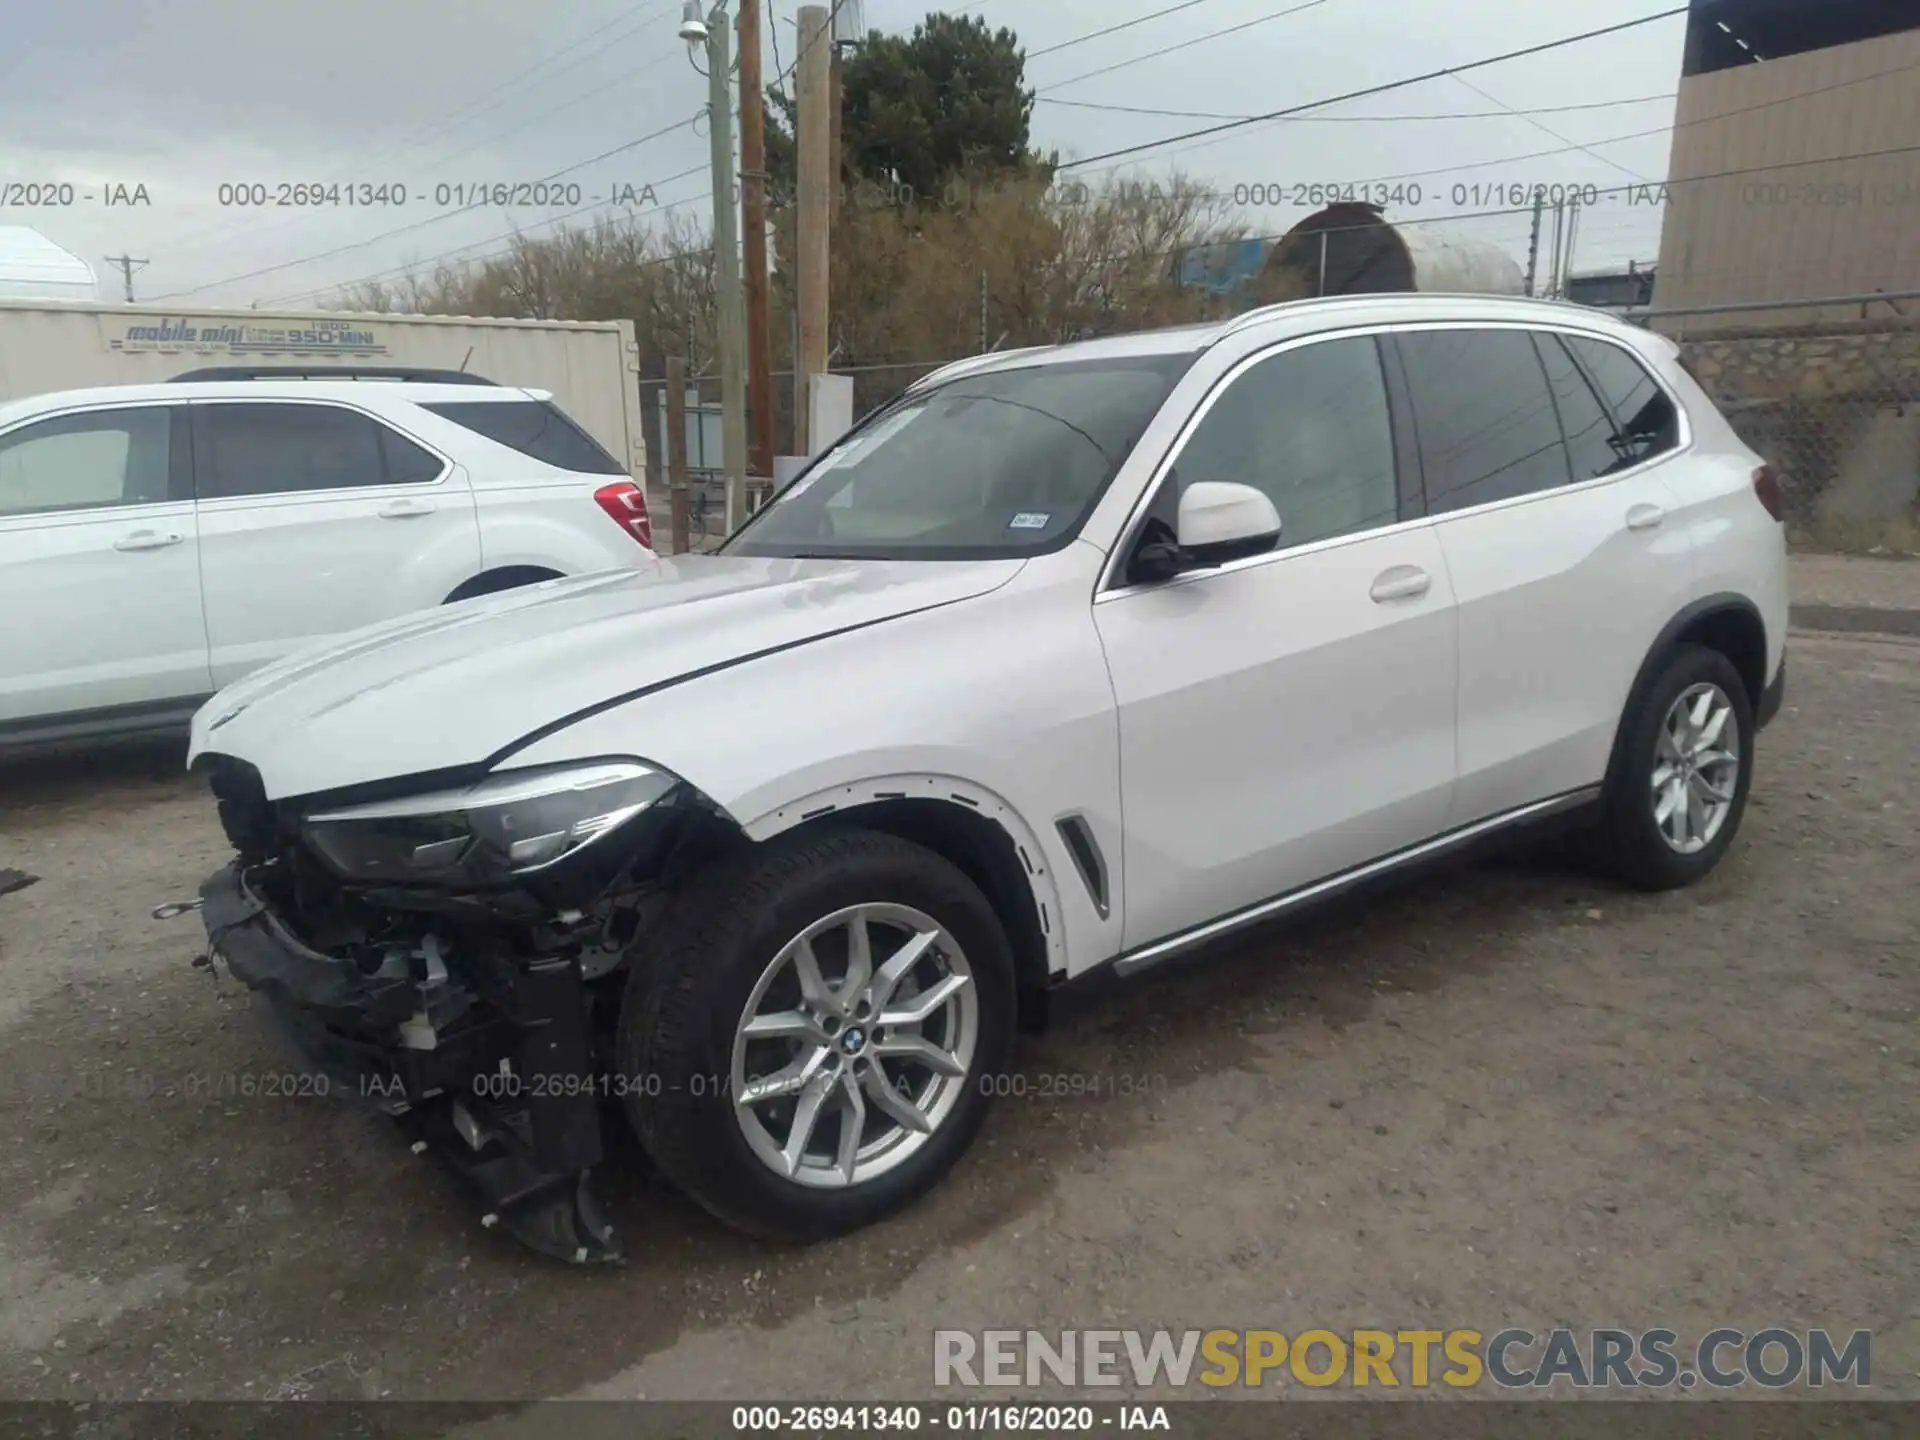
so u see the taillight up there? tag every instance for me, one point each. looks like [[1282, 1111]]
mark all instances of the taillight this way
[[626, 503], [1766, 486]]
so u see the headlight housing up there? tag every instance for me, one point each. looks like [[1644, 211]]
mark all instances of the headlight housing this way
[[511, 824]]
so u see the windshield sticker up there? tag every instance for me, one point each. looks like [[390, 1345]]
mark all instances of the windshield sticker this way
[[1031, 520]]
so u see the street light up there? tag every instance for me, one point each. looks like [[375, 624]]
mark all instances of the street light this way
[[713, 33]]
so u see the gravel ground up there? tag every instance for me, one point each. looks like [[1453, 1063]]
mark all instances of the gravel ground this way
[[1507, 1095]]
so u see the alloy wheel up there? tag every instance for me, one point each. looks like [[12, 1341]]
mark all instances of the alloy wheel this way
[[1696, 770], [855, 1045]]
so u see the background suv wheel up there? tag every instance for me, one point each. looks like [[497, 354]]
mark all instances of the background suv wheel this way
[[812, 1047], [1680, 779]]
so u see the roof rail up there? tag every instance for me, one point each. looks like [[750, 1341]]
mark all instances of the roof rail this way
[[332, 372]]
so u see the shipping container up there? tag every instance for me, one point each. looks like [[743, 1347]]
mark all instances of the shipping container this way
[[590, 367]]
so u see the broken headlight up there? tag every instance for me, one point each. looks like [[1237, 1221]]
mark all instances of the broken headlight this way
[[514, 823]]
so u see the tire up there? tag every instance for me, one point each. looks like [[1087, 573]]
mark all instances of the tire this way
[[1634, 842], [725, 945]]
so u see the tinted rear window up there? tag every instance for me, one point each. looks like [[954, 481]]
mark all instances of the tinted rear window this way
[[536, 428]]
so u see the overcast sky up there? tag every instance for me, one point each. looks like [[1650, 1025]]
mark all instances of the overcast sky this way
[[193, 94]]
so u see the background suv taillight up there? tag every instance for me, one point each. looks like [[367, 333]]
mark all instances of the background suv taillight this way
[[626, 503], [1766, 485]]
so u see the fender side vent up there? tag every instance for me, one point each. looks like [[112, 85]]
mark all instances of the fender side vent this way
[[970, 804], [1087, 858], [816, 814]]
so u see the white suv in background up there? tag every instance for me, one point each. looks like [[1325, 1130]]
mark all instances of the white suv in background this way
[[157, 542], [1067, 659]]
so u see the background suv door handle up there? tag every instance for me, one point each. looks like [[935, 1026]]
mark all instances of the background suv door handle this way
[[1645, 517], [147, 540], [405, 509], [1402, 582]]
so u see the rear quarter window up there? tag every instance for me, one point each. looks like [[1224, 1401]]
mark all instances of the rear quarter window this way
[[538, 429]]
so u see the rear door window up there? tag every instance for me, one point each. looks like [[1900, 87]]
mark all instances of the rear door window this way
[[538, 429], [1589, 428], [1488, 427], [270, 449], [1647, 424]]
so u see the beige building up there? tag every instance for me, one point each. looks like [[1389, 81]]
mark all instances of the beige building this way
[[1795, 171]]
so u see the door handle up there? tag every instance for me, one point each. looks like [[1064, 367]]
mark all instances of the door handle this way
[[147, 540], [1645, 517], [1403, 582], [405, 510]]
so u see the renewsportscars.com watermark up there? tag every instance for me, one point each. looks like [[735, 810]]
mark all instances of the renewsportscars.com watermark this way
[[1513, 1359]]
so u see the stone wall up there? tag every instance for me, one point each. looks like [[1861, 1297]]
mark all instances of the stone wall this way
[[1829, 361]]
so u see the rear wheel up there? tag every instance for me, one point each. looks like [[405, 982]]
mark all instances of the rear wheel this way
[[496, 582], [814, 1046], [1680, 781]]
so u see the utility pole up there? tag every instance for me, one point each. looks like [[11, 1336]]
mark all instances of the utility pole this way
[[753, 218], [729, 317], [677, 454], [126, 265], [1573, 236], [1559, 238], [1533, 246], [834, 107], [818, 171]]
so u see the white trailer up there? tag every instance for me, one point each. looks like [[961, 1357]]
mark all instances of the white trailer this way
[[33, 267], [591, 368]]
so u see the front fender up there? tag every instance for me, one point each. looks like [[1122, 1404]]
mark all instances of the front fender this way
[[1003, 699], [1036, 859]]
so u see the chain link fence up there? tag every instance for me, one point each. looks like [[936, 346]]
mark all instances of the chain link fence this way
[[1829, 392]]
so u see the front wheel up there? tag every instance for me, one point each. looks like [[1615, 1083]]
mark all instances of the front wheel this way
[[814, 1045], [1679, 784]]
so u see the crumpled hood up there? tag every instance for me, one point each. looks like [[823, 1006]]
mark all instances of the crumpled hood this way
[[458, 685]]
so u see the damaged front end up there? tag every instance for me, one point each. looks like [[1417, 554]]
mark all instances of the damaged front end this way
[[452, 954]]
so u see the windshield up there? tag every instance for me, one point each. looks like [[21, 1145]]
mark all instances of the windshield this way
[[990, 466]]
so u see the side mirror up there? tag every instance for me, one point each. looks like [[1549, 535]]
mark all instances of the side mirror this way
[[1221, 522]]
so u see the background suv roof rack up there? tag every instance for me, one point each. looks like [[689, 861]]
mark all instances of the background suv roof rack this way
[[332, 372]]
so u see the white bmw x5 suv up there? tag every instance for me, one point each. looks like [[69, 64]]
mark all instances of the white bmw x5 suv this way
[[1070, 658], [159, 541]]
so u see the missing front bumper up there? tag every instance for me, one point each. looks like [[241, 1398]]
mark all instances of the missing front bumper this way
[[506, 1097]]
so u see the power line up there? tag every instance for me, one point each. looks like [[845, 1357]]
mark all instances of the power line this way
[[1682, 125], [1549, 130], [1669, 184], [509, 235], [460, 116], [1367, 119], [1116, 29], [1177, 250], [1661, 130], [1183, 45], [417, 224], [629, 25], [1374, 89]]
